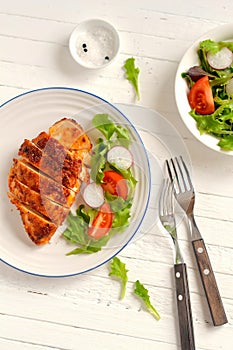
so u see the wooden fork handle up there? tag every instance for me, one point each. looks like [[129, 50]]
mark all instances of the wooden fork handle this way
[[184, 307], [209, 283]]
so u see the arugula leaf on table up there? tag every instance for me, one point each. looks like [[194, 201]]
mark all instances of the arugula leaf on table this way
[[132, 74], [142, 292], [119, 270]]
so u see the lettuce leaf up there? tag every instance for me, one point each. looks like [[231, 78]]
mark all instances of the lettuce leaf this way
[[76, 232], [132, 74], [226, 143], [119, 270], [109, 129], [142, 292]]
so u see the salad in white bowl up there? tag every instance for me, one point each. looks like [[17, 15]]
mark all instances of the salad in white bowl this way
[[204, 91]]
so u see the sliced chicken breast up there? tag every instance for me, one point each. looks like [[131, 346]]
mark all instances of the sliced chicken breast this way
[[65, 172], [39, 228], [53, 211], [42, 184]]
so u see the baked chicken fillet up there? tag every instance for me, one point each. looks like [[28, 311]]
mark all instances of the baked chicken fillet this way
[[43, 183]]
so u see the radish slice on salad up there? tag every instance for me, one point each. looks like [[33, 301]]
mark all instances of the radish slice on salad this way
[[220, 60], [229, 87], [120, 156], [93, 195]]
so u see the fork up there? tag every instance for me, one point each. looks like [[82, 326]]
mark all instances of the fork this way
[[167, 218], [185, 196]]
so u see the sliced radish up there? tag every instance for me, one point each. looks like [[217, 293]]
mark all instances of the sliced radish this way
[[229, 87], [220, 60], [120, 156], [93, 195]]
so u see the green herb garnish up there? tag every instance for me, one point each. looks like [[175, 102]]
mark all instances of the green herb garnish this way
[[142, 292], [132, 74], [118, 270]]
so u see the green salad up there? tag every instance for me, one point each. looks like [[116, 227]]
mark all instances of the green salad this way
[[107, 199], [211, 91]]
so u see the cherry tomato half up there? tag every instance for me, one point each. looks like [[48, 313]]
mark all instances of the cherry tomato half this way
[[200, 97], [102, 223], [115, 184]]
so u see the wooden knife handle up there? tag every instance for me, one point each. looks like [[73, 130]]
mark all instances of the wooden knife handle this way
[[184, 307], [209, 283]]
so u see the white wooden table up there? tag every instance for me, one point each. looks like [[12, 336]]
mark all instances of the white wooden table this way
[[84, 311]]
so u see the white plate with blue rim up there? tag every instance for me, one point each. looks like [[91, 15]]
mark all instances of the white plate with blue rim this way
[[24, 117]]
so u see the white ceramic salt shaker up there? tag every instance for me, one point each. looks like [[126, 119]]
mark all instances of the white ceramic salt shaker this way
[[94, 43]]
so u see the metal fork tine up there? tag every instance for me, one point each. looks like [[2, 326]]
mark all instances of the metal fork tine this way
[[187, 173], [176, 174], [169, 197], [170, 173], [169, 170], [181, 174], [172, 178], [161, 200]]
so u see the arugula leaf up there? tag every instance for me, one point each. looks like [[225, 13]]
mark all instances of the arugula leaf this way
[[121, 219], [142, 292], [118, 270], [104, 125], [83, 214], [109, 129], [98, 161], [132, 74], [85, 249], [76, 232]]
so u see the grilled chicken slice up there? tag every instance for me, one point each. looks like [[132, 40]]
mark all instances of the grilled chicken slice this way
[[52, 147], [70, 134], [42, 184], [53, 211], [39, 228], [65, 171]]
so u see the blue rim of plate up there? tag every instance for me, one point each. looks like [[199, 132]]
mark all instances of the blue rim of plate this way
[[149, 180]]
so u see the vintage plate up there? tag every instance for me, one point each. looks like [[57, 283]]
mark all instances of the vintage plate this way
[[190, 58], [24, 117]]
